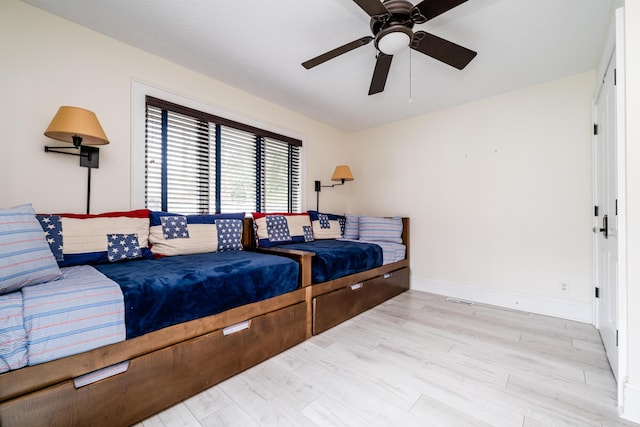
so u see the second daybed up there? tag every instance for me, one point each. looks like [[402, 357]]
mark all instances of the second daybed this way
[[352, 262]]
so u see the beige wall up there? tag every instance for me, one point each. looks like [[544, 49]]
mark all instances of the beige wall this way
[[48, 62], [499, 191]]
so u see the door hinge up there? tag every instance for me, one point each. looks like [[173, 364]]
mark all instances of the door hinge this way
[[616, 206], [597, 292], [615, 76], [595, 211], [616, 337], [595, 129]]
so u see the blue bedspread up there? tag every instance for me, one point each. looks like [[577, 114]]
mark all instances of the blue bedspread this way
[[338, 258], [167, 291]]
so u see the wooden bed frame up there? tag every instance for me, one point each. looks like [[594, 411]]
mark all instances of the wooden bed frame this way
[[331, 303], [177, 362]]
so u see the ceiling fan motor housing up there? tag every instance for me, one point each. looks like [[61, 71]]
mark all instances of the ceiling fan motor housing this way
[[399, 14], [397, 24]]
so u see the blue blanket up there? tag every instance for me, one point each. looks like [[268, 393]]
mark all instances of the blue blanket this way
[[338, 258], [166, 291]]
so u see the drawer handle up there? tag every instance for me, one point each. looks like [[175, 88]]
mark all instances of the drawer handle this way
[[387, 275], [356, 286], [101, 374], [236, 327]]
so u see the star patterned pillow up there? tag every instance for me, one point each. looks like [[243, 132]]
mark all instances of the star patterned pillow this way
[[278, 228], [229, 234], [308, 233], [52, 227], [324, 221], [343, 222], [174, 227], [123, 246]]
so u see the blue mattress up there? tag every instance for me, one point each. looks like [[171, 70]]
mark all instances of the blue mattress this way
[[166, 291], [339, 258]]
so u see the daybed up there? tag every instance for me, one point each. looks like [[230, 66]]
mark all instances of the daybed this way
[[162, 363], [337, 287]]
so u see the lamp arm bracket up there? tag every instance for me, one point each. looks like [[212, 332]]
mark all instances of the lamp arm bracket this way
[[89, 156], [333, 185], [48, 149]]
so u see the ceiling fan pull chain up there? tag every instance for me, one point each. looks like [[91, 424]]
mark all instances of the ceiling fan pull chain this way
[[410, 96]]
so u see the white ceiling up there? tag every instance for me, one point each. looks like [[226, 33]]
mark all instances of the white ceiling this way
[[258, 46]]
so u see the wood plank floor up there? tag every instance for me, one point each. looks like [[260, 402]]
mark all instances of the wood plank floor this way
[[419, 360]]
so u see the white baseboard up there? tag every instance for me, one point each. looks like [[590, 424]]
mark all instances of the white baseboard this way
[[566, 310], [631, 402]]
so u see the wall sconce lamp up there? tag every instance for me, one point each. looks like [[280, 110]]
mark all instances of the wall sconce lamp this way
[[81, 128], [342, 174]]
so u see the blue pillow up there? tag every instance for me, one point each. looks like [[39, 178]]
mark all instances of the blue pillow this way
[[123, 246], [52, 227], [229, 234]]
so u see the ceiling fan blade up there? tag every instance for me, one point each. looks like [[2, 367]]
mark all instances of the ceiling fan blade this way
[[442, 50], [380, 73], [432, 8], [336, 52], [372, 7]]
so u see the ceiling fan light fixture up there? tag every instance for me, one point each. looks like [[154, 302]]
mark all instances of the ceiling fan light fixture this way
[[393, 39]]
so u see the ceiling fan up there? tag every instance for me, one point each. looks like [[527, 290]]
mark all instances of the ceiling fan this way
[[392, 22]]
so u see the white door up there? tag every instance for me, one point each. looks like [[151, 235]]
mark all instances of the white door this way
[[606, 229]]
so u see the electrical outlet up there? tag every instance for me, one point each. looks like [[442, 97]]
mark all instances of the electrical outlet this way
[[564, 287]]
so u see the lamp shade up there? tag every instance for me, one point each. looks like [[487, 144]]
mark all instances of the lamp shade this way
[[70, 122], [342, 173]]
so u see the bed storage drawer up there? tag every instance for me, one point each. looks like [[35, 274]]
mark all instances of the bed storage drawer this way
[[335, 307], [168, 375]]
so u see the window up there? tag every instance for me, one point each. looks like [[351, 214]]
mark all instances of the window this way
[[196, 162]]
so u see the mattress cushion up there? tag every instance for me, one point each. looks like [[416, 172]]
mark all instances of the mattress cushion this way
[[338, 258], [166, 291]]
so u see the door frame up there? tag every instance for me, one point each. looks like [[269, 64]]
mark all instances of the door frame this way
[[615, 43]]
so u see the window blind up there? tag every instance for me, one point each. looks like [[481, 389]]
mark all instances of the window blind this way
[[199, 163]]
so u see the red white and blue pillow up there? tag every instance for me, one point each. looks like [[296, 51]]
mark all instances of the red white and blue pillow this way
[[275, 229], [175, 234], [326, 225], [84, 237]]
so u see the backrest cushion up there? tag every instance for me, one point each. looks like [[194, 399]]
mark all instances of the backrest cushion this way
[[85, 236], [326, 225], [275, 229], [25, 256], [175, 234], [380, 229]]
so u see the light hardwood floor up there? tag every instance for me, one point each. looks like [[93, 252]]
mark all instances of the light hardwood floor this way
[[419, 360]]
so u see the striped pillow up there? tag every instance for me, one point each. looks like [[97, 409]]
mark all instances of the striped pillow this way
[[380, 229], [25, 255], [351, 228]]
